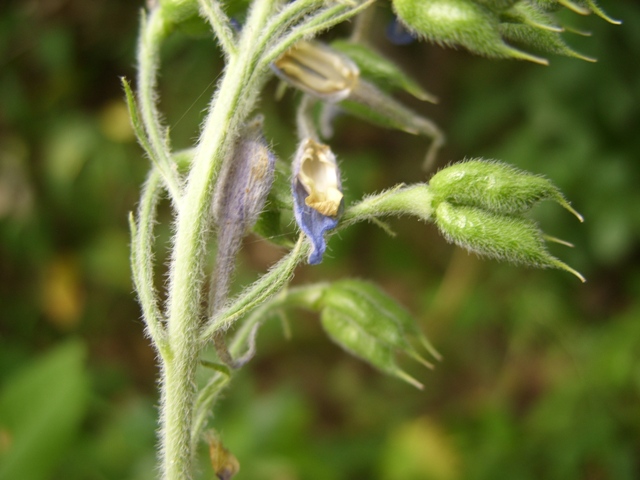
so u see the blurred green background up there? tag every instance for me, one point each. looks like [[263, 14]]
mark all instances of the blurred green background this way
[[541, 374]]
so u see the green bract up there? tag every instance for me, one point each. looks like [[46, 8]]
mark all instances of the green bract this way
[[540, 38], [366, 322], [177, 11]]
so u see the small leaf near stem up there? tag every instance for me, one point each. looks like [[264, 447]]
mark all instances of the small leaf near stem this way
[[142, 262], [221, 25], [153, 32]]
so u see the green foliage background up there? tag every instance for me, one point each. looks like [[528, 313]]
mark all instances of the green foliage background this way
[[541, 375]]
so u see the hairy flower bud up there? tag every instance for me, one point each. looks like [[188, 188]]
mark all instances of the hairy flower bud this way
[[504, 237], [478, 205], [494, 186], [318, 70], [459, 22], [367, 323], [317, 193]]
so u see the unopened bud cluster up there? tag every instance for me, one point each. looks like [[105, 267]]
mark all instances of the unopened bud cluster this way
[[479, 205], [486, 26]]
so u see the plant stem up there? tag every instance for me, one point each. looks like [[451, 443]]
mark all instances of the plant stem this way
[[233, 102], [153, 32]]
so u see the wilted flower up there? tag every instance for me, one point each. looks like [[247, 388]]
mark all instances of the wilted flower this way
[[317, 193], [245, 181], [318, 70]]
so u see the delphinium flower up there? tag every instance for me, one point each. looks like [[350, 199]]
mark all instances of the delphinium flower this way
[[219, 189]]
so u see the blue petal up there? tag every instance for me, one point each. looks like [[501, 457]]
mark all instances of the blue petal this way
[[398, 34], [311, 222]]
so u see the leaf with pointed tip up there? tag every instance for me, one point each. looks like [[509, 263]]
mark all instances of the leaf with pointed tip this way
[[380, 70], [541, 39]]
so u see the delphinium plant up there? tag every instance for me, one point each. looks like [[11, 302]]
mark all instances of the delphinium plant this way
[[231, 182]]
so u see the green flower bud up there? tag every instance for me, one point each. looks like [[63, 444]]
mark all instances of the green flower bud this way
[[504, 237], [477, 205], [495, 187], [459, 22], [370, 325]]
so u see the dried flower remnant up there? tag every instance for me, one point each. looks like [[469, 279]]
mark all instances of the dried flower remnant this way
[[225, 465], [317, 193], [318, 70], [240, 196]]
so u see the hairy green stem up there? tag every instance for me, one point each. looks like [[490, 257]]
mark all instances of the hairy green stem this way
[[230, 107], [220, 24], [301, 297], [154, 30], [142, 260], [267, 286], [179, 333]]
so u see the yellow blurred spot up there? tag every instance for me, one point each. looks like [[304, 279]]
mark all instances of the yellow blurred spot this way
[[420, 449], [62, 295], [115, 123], [16, 192], [6, 440]]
